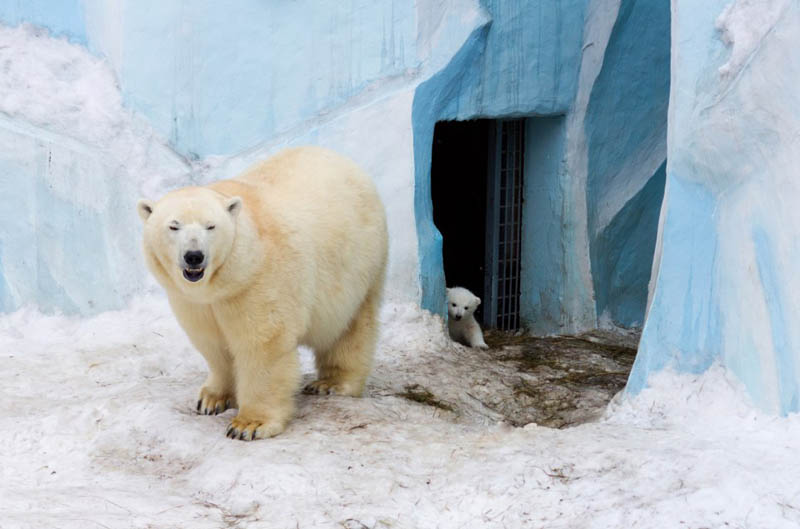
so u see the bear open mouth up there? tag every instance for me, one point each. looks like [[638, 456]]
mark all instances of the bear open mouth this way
[[193, 274]]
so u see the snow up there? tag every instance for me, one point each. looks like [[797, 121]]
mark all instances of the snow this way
[[98, 430], [58, 87]]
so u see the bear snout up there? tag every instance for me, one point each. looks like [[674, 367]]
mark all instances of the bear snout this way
[[458, 317], [194, 258]]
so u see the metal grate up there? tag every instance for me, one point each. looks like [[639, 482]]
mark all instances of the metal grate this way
[[504, 224]]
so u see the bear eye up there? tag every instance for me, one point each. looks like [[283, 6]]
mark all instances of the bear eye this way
[[466, 307], [173, 228], [453, 304], [211, 227]]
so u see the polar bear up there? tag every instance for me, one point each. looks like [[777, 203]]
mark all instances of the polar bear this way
[[292, 252], [461, 304]]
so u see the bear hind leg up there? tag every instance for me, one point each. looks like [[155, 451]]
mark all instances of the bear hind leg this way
[[343, 369]]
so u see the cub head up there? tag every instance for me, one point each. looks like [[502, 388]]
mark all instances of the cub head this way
[[188, 234], [461, 303]]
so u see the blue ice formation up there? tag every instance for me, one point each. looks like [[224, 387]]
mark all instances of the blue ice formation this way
[[626, 125], [726, 287], [596, 136], [66, 242], [65, 18], [608, 200], [238, 82], [523, 61]]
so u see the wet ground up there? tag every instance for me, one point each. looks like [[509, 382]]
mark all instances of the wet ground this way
[[565, 380], [555, 381]]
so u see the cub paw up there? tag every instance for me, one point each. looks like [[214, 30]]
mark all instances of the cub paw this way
[[330, 387], [249, 430], [210, 403]]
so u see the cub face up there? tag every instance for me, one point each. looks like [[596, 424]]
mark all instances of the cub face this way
[[189, 233], [461, 303]]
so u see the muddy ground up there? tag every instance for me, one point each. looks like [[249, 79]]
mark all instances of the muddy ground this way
[[554, 381]]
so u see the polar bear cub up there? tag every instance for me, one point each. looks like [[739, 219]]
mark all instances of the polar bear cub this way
[[461, 304], [292, 252]]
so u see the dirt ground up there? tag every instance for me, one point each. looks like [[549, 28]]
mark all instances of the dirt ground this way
[[554, 381]]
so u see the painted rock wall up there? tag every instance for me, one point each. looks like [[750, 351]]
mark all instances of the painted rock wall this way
[[171, 93], [726, 288]]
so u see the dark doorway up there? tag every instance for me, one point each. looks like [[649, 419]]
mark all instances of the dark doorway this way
[[476, 188], [459, 169]]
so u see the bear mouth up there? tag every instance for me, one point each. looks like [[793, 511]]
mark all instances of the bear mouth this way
[[193, 274]]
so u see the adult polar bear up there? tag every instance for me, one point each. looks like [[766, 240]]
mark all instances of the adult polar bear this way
[[292, 252]]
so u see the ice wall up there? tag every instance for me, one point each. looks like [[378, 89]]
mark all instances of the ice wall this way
[[726, 287], [217, 78], [238, 83], [524, 60], [72, 159], [626, 140], [63, 18], [593, 78], [203, 91]]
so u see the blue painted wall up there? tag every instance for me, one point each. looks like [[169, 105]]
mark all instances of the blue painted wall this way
[[626, 119], [623, 255], [215, 78], [64, 18], [65, 255], [544, 267], [525, 62], [683, 323], [727, 290], [220, 77]]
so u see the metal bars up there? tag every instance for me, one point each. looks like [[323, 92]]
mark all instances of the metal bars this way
[[504, 224]]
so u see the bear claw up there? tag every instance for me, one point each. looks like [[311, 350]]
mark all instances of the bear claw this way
[[242, 435], [326, 387], [245, 430], [210, 404]]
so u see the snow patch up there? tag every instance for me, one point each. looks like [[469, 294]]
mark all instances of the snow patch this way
[[744, 24], [57, 86]]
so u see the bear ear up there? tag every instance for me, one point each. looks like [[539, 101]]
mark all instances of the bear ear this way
[[145, 209], [234, 206], [477, 301]]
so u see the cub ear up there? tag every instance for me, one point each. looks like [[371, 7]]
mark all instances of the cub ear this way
[[145, 209], [477, 301], [234, 206]]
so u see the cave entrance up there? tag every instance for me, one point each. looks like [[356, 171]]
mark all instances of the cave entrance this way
[[477, 172]]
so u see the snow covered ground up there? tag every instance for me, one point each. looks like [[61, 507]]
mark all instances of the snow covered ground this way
[[97, 429]]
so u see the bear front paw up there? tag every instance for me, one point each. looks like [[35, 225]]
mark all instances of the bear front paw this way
[[210, 403], [246, 429]]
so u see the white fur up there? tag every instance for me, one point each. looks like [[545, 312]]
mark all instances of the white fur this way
[[293, 253], [461, 304]]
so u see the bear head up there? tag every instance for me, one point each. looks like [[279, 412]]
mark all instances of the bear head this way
[[188, 234], [461, 303]]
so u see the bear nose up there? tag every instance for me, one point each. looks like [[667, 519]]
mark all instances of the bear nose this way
[[458, 317], [193, 258]]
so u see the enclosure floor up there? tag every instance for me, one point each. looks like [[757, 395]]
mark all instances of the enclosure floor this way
[[555, 381], [99, 429]]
